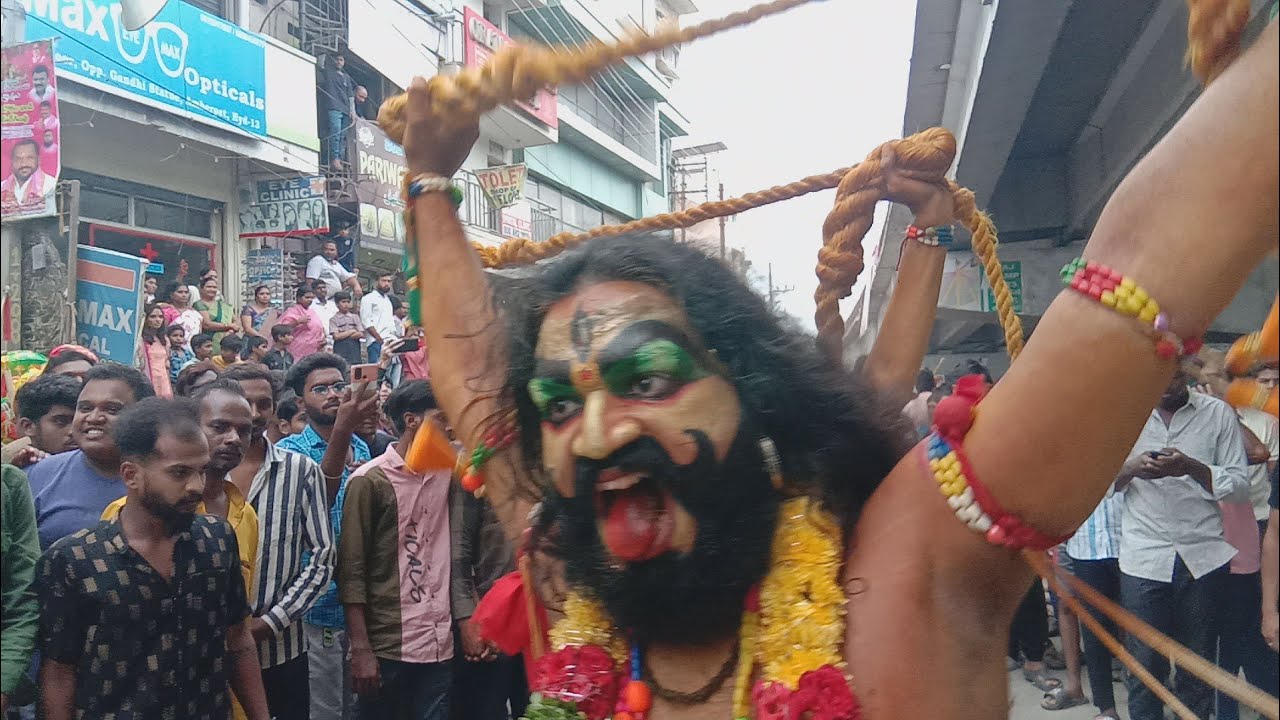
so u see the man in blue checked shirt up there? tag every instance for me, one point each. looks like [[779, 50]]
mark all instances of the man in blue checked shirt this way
[[333, 411]]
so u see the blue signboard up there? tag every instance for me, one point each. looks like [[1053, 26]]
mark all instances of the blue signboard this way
[[185, 58], [108, 302]]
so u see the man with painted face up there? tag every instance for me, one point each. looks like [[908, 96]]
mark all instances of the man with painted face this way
[[73, 488], [144, 614], [671, 424], [295, 548]]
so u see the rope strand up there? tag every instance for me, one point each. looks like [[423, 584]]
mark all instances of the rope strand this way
[[517, 71]]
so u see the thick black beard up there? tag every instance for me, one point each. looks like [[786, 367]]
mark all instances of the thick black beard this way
[[173, 519], [321, 419], [689, 598]]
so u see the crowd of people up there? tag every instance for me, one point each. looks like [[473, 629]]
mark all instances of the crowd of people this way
[[1186, 541], [229, 527]]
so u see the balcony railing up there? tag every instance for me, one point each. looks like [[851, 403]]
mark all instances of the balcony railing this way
[[476, 209]]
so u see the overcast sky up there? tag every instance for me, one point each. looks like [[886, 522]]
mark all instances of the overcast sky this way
[[797, 94]]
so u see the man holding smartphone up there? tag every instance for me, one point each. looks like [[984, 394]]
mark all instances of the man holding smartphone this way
[[1173, 554]]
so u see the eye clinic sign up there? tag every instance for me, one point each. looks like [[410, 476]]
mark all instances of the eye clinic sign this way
[[284, 207], [185, 59]]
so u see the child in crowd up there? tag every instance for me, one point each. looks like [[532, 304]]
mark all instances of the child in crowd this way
[[291, 419], [179, 355], [202, 347], [228, 352], [345, 329], [255, 349], [280, 358]]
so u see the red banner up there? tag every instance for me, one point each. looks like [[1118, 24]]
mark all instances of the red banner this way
[[30, 132], [480, 41]]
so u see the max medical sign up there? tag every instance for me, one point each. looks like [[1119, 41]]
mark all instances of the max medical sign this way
[[185, 58], [108, 302]]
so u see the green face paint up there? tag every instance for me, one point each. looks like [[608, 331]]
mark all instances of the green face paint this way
[[660, 358], [552, 396]]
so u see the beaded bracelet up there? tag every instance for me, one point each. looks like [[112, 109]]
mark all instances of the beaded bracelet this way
[[932, 236], [1125, 296], [429, 183], [497, 438], [972, 502]]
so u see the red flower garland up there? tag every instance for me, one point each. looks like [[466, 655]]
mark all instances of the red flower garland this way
[[581, 674], [822, 694]]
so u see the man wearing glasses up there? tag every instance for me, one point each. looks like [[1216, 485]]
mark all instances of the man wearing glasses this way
[[333, 413]]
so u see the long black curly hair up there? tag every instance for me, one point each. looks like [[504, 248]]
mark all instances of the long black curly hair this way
[[835, 437]]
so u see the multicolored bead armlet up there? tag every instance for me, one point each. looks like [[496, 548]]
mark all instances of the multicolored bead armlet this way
[[469, 467], [972, 502], [1125, 296], [940, 236], [428, 183]]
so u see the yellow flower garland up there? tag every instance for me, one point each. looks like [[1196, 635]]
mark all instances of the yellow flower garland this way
[[800, 624]]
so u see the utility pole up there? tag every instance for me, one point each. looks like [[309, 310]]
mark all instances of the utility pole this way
[[722, 221], [775, 291], [684, 201]]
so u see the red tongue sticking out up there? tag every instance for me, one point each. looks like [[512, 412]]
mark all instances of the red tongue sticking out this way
[[633, 525]]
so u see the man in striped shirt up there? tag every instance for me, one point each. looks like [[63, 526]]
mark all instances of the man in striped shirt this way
[[296, 549]]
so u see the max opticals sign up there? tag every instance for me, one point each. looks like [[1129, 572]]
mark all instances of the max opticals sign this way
[[480, 42], [186, 58], [108, 302]]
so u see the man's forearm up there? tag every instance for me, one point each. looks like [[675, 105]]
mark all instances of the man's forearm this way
[[900, 346], [246, 674], [334, 462], [57, 690], [357, 630], [1271, 563]]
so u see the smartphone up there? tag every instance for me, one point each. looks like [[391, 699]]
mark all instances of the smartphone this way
[[409, 345], [366, 374]]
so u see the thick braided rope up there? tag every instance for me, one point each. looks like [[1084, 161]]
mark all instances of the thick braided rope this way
[[517, 71], [1183, 658], [927, 156], [1214, 29], [524, 252]]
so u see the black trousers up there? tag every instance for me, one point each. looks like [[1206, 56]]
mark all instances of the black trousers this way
[[1030, 631], [288, 687], [1103, 576], [1186, 609], [482, 690]]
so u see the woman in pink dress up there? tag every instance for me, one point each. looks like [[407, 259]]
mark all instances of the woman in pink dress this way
[[154, 353]]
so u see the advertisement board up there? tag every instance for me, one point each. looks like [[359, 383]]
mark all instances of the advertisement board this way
[[280, 207], [481, 39], [185, 59], [380, 167], [1013, 276], [503, 184], [109, 302], [30, 131]]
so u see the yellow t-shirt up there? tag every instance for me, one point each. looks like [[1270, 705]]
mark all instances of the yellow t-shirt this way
[[244, 521]]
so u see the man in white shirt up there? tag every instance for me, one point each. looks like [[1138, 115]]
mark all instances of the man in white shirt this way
[[325, 307], [326, 267], [27, 183], [377, 315], [1173, 555], [1267, 430]]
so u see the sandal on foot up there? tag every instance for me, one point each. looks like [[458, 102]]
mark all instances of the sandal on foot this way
[[1043, 682], [1059, 699]]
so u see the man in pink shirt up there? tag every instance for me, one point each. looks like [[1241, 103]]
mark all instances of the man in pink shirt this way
[[308, 326], [393, 573]]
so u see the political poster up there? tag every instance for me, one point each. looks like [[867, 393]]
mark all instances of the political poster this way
[[109, 302], [504, 184], [30, 132], [282, 207]]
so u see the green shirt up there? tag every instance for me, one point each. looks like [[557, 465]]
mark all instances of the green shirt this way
[[19, 551], [220, 311]]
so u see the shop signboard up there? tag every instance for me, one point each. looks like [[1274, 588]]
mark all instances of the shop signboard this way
[[30, 132], [481, 39], [109, 302], [504, 184], [380, 167], [265, 266], [1012, 276], [516, 221], [185, 59], [285, 206]]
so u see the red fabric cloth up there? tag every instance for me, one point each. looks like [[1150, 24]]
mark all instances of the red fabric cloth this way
[[503, 619]]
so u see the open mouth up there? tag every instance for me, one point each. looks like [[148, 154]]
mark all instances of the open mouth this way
[[94, 433], [636, 515]]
